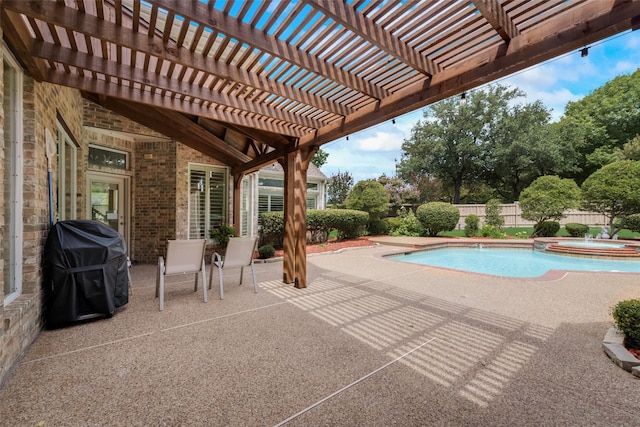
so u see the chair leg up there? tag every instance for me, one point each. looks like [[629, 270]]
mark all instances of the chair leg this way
[[255, 285], [204, 281], [241, 271], [221, 284], [161, 290]]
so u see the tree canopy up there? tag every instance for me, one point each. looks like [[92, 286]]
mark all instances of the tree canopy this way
[[484, 137], [548, 197], [338, 188], [600, 124], [613, 190], [369, 196]]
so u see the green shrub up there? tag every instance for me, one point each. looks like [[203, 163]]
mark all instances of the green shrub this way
[[350, 223], [521, 235], [222, 234], [409, 225], [319, 224], [546, 229], [437, 216], [378, 227], [493, 213], [492, 232], [575, 229], [266, 251], [369, 196], [632, 222], [272, 228], [393, 223], [471, 225], [626, 315]]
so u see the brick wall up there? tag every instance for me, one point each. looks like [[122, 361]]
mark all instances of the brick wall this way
[[155, 210], [21, 320]]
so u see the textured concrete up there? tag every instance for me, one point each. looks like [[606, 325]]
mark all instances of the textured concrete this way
[[369, 342]]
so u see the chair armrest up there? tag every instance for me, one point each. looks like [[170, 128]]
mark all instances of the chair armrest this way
[[216, 259]]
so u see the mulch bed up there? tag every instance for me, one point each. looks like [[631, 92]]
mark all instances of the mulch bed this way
[[333, 245]]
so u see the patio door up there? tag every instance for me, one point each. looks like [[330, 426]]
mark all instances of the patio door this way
[[108, 197]]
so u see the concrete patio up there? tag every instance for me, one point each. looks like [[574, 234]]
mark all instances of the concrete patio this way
[[369, 342]]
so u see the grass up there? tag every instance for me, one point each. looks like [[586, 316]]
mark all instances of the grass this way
[[511, 231]]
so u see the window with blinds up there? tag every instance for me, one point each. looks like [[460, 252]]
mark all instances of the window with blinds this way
[[207, 200]]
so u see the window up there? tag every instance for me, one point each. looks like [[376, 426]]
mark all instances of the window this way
[[12, 179], [67, 166], [207, 200], [270, 203], [247, 205], [100, 156]]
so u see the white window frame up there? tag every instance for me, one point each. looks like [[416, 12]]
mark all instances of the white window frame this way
[[14, 233], [65, 142], [208, 169]]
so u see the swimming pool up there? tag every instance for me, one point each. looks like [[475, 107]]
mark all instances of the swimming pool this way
[[522, 263]]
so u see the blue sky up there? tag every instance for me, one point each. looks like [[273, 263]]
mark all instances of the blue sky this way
[[374, 151]]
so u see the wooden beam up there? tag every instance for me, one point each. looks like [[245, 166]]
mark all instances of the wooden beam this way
[[152, 45], [559, 35], [359, 24], [51, 52], [114, 90], [165, 123], [19, 38], [202, 14], [495, 14]]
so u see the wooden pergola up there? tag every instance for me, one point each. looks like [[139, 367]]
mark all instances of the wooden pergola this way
[[253, 82]]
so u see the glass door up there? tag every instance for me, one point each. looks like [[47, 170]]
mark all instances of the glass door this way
[[108, 202]]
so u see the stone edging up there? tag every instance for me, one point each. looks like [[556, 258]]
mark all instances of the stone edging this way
[[612, 344]]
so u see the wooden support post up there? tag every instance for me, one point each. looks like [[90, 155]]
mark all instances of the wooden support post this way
[[288, 261], [295, 167]]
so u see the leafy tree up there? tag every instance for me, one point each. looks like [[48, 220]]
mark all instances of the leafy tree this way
[[320, 158], [548, 197], [428, 187], [493, 213], [613, 190], [338, 188], [400, 192], [631, 150], [452, 142], [604, 120], [369, 196], [521, 150]]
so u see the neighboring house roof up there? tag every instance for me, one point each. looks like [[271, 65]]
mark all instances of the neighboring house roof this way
[[312, 172]]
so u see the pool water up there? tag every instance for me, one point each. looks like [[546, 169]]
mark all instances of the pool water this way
[[523, 263]]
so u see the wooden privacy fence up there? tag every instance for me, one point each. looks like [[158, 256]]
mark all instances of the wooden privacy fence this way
[[511, 213]]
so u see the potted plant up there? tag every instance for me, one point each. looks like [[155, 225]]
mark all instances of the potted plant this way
[[220, 236]]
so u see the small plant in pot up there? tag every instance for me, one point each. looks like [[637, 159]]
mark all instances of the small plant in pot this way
[[626, 315], [221, 235]]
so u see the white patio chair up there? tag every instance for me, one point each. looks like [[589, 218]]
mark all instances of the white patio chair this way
[[183, 257], [239, 253]]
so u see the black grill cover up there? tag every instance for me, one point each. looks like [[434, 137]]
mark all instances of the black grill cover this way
[[85, 272]]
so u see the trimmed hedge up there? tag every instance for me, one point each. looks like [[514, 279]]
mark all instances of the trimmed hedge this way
[[349, 224], [546, 229], [471, 225], [575, 229], [632, 222], [437, 216]]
